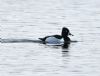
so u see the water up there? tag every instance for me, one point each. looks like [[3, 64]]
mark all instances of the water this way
[[31, 19]]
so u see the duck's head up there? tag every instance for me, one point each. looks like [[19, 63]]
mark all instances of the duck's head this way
[[65, 32]]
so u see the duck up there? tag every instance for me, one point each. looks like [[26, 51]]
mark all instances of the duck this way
[[58, 39]]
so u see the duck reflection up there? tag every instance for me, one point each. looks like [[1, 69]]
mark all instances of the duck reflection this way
[[65, 49], [66, 45]]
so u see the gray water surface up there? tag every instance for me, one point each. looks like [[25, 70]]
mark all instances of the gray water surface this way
[[31, 19]]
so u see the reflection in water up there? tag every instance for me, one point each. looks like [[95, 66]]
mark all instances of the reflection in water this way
[[65, 49], [65, 54], [66, 46]]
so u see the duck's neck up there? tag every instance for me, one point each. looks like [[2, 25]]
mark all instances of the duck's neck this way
[[67, 39]]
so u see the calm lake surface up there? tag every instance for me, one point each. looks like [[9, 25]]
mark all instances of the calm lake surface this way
[[31, 19]]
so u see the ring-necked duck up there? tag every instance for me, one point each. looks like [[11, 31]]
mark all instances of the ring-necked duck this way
[[57, 39]]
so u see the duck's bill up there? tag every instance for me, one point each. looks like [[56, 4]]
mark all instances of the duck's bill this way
[[71, 34]]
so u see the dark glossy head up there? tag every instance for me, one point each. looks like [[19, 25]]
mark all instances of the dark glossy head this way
[[65, 32]]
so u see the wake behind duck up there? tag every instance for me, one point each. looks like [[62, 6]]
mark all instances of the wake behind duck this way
[[54, 40]]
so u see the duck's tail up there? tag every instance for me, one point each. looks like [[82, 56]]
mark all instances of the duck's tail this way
[[42, 39]]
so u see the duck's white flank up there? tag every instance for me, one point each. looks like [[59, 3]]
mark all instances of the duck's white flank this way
[[53, 40]]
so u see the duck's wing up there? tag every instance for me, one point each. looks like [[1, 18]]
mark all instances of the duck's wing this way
[[44, 38], [57, 36]]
